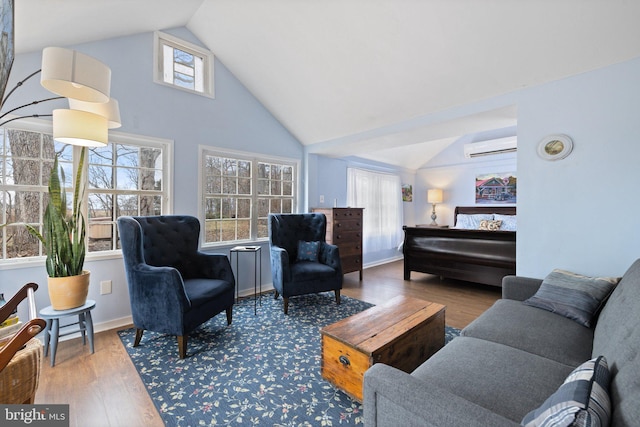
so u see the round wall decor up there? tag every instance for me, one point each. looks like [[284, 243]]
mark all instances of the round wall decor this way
[[555, 147]]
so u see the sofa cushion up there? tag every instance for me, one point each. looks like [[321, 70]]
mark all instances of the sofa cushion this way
[[572, 295], [308, 251], [533, 330], [581, 401], [502, 379]]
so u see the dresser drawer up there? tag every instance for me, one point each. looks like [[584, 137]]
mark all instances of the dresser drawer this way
[[346, 213], [351, 247], [351, 263], [346, 225]]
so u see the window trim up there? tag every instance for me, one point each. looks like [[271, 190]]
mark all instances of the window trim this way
[[46, 126], [160, 39], [242, 155]]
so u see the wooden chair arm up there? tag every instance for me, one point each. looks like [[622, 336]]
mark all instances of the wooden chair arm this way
[[29, 330], [12, 304]]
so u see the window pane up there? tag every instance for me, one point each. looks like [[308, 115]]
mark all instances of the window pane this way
[[263, 208], [287, 189], [275, 206], [229, 185], [263, 228], [244, 185], [228, 230], [101, 155], [100, 235], [287, 206], [100, 207], [214, 185], [244, 169], [20, 243], [244, 230], [244, 208], [213, 208], [100, 176], [213, 231], [263, 187], [127, 178], [127, 205]]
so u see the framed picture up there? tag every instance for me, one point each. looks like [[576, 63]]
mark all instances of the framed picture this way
[[6, 44], [496, 188], [407, 193]]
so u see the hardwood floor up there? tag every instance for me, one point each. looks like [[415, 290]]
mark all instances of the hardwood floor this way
[[104, 389]]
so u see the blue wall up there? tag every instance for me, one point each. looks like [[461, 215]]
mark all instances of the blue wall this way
[[234, 120]]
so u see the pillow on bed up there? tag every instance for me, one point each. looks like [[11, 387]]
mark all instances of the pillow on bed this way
[[471, 222], [490, 225], [509, 222]]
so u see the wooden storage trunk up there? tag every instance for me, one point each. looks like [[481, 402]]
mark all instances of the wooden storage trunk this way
[[402, 333]]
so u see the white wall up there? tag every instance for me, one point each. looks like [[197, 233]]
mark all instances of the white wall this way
[[581, 213], [234, 119]]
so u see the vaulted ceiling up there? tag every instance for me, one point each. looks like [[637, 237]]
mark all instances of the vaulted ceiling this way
[[343, 76]]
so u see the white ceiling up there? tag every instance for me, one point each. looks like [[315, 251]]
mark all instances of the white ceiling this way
[[341, 75]]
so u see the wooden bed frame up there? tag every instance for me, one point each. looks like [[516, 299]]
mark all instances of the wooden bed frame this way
[[473, 255]]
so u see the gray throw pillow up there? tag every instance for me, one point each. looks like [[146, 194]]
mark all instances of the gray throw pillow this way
[[581, 401], [572, 295]]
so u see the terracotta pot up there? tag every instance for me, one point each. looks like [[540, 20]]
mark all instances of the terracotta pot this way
[[69, 292]]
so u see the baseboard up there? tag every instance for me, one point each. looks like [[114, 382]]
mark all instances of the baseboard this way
[[382, 261]]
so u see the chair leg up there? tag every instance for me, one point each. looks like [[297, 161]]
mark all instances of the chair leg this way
[[286, 305], [337, 296], [229, 314], [182, 346], [276, 295], [139, 333]]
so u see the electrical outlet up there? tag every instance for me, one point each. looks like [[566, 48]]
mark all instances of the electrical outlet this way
[[105, 287], [322, 199]]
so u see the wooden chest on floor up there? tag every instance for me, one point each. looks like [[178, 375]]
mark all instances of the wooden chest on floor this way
[[402, 333]]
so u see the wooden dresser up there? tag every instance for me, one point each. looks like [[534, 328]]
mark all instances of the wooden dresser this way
[[344, 229]]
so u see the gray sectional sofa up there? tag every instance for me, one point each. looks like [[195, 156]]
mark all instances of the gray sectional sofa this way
[[510, 360]]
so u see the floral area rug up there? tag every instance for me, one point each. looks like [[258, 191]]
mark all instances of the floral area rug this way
[[264, 369]]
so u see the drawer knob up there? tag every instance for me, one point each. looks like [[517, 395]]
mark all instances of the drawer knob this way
[[344, 360]]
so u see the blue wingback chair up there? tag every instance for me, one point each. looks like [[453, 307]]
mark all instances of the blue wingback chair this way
[[173, 288], [292, 277]]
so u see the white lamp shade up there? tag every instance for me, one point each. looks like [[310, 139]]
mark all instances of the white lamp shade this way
[[110, 110], [75, 75], [434, 196], [77, 127]]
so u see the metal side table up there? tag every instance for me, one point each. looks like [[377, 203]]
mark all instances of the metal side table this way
[[257, 271]]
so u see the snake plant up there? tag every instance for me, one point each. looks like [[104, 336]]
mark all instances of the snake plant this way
[[63, 235]]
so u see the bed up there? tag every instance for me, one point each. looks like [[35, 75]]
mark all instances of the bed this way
[[469, 253]]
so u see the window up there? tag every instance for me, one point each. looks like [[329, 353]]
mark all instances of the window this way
[[127, 177], [239, 193], [380, 195], [183, 65]]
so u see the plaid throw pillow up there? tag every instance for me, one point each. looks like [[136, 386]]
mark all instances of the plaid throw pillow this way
[[581, 401]]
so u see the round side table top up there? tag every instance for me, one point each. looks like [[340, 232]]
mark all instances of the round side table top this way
[[49, 312]]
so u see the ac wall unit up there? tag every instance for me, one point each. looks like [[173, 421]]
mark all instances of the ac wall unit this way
[[493, 146]]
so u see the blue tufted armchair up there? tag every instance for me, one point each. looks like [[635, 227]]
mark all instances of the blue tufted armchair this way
[[173, 288], [295, 274]]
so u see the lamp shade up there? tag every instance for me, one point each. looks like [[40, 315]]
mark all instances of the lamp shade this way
[[77, 127], [110, 110], [75, 75], [434, 196]]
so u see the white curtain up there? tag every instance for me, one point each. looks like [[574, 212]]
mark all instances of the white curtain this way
[[380, 195]]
